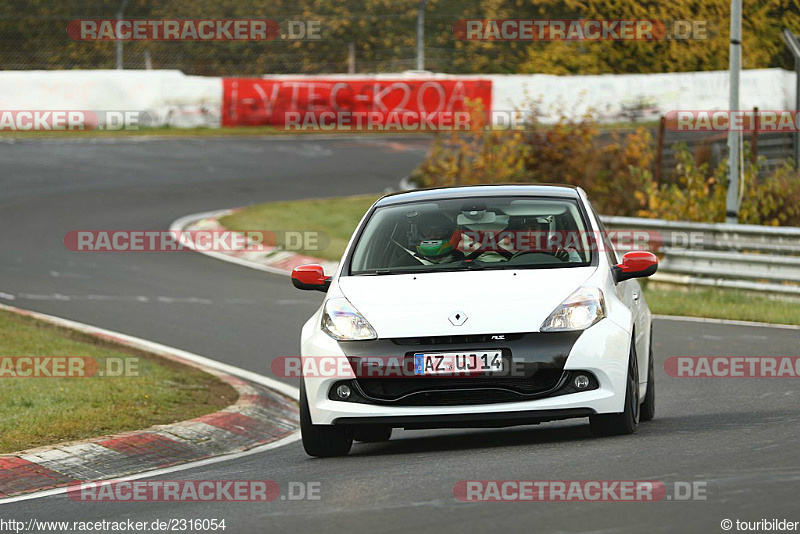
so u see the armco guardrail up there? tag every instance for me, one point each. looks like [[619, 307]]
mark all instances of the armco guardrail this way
[[760, 258]]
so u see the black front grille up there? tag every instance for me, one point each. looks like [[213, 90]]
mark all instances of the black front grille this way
[[538, 360], [460, 397], [416, 391]]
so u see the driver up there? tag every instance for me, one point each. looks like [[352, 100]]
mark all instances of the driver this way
[[531, 234], [438, 238]]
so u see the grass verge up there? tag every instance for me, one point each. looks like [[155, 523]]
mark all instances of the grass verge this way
[[40, 411], [339, 216], [336, 217], [720, 303]]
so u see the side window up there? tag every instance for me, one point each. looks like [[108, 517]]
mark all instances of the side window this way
[[612, 256]]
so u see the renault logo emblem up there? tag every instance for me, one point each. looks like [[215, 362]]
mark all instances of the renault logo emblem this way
[[458, 318]]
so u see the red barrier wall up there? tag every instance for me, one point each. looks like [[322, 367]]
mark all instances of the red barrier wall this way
[[257, 101]]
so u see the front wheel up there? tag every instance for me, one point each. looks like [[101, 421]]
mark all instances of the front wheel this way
[[322, 440], [626, 422], [649, 403]]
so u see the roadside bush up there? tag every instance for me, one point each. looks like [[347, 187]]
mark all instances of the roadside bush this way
[[573, 152], [480, 156], [614, 169], [570, 151], [699, 193]]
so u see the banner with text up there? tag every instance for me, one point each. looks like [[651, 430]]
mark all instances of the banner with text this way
[[281, 102]]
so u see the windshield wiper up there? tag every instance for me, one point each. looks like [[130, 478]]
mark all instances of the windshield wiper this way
[[474, 265], [380, 272], [443, 268]]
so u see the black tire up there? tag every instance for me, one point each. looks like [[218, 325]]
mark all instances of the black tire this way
[[372, 433], [626, 422], [648, 410], [322, 441]]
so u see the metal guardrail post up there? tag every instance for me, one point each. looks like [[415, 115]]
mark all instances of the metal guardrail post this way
[[732, 199], [421, 35], [793, 43], [120, 14], [754, 139], [660, 149]]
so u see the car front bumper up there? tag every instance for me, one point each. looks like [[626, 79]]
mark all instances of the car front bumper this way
[[601, 350]]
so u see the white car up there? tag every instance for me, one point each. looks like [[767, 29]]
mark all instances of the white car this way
[[481, 306]]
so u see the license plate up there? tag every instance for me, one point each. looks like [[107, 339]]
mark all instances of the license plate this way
[[457, 363]]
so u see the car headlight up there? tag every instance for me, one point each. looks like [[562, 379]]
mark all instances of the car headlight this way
[[342, 322], [579, 311]]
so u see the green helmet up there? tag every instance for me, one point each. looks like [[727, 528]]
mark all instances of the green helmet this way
[[433, 248], [436, 231]]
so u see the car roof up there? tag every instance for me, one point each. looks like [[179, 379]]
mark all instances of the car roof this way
[[444, 193]]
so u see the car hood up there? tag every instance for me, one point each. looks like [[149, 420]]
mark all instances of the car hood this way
[[410, 305]]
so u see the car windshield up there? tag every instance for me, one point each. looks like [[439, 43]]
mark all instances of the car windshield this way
[[473, 233]]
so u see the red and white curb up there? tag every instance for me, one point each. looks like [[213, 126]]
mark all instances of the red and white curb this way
[[264, 416], [269, 259]]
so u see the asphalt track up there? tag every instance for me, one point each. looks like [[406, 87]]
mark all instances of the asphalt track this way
[[738, 437]]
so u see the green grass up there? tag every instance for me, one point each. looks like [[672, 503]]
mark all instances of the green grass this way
[[335, 217], [339, 216], [718, 303], [43, 410]]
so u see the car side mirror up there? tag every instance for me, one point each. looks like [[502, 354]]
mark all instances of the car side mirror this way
[[310, 278], [635, 264]]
